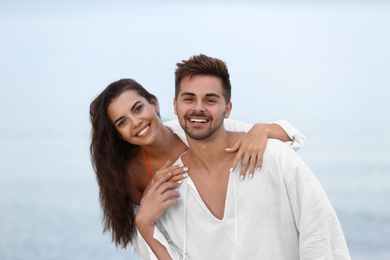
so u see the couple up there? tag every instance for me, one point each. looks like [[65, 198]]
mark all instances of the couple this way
[[281, 213]]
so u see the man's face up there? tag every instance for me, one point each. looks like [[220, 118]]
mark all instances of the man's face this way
[[200, 106]]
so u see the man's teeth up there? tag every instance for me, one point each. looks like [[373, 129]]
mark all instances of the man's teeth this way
[[198, 120], [143, 131]]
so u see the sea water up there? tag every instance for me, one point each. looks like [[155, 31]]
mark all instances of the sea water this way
[[50, 210]]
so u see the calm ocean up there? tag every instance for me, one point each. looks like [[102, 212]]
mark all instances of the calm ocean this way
[[49, 200], [324, 67]]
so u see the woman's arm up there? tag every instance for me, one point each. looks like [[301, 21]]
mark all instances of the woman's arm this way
[[156, 199], [250, 148], [296, 138]]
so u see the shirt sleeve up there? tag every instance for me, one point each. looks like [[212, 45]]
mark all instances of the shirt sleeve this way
[[298, 139], [236, 126], [141, 248], [320, 233]]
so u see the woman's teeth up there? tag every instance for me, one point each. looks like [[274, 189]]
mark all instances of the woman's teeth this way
[[143, 131]]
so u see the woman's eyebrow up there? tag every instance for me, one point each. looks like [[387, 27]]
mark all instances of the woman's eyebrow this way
[[120, 118], [132, 108], [135, 104]]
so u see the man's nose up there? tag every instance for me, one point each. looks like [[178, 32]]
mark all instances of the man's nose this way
[[199, 106]]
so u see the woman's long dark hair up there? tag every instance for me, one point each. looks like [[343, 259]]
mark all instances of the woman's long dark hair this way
[[110, 156]]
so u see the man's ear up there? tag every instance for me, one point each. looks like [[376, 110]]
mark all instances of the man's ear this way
[[174, 106], [228, 109]]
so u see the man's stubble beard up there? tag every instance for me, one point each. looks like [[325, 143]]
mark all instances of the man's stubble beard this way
[[204, 135]]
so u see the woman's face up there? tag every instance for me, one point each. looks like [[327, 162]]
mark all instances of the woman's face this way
[[135, 119]]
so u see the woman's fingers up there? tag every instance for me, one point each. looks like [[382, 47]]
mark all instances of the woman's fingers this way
[[250, 150], [156, 183], [178, 172], [237, 158], [157, 199], [244, 165]]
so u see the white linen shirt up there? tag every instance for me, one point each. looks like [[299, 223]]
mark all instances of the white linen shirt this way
[[298, 139], [281, 213]]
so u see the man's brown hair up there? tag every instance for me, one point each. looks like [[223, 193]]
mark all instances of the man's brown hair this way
[[203, 65]]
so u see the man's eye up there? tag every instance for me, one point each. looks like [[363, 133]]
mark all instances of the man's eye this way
[[210, 101]]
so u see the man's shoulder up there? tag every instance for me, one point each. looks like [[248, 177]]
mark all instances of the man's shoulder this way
[[277, 149], [172, 124], [275, 145]]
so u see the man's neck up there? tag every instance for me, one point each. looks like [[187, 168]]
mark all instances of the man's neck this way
[[209, 168], [209, 153]]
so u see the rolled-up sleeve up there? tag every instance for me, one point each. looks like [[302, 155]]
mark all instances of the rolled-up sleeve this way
[[298, 139]]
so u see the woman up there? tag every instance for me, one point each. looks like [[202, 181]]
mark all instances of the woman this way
[[130, 143]]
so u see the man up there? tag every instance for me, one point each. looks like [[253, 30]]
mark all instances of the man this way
[[282, 213]]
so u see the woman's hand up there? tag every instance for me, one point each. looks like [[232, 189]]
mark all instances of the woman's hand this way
[[178, 172], [156, 199], [250, 148]]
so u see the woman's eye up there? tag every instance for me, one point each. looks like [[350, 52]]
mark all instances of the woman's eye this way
[[121, 123], [138, 108]]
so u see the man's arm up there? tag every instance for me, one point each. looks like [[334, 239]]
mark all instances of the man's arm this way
[[320, 233]]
